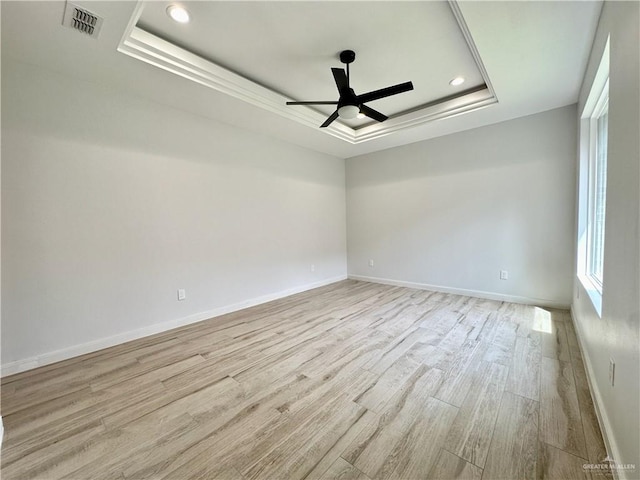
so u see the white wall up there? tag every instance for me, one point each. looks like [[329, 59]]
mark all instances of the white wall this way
[[110, 203], [615, 335], [452, 212]]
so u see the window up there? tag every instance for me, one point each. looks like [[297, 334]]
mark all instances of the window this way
[[594, 129], [597, 194]]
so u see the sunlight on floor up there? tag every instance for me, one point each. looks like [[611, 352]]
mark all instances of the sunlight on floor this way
[[542, 321]]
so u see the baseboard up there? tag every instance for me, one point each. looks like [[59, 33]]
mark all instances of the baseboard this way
[[541, 302], [601, 414], [76, 350]]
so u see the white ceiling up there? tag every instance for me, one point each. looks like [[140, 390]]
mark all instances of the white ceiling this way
[[533, 53]]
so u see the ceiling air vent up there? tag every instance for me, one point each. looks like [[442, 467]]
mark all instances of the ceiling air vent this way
[[82, 20]]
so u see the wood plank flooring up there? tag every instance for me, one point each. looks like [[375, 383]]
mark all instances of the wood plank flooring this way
[[350, 381]]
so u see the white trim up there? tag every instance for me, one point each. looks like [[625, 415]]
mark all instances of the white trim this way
[[156, 51], [462, 291], [76, 350], [599, 80], [599, 109], [1, 431], [601, 414], [462, 24], [594, 294], [595, 104]]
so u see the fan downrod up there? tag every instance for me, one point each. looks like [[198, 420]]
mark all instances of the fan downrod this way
[[347, 56]]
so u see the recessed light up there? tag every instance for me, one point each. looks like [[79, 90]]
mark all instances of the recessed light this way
[[457, 81], [178, 13]]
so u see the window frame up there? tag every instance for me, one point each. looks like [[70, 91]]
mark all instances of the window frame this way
[[594, 172], [596, 104]]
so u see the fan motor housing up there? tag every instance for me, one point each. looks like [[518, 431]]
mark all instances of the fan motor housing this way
[[348, 98]]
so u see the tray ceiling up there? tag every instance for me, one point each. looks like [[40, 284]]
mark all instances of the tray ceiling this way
[[266, 53], [534, 53]]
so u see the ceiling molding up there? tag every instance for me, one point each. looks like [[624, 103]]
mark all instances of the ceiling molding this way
[[462, 24], [156, 51]]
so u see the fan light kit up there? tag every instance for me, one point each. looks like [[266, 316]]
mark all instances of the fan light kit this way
[[350, 105], [348, 112], [178, 13], [457, 81]]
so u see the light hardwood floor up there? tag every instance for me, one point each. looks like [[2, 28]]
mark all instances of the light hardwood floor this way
[[350, 381]]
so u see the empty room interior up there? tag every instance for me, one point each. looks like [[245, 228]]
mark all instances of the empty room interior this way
[[362, 240]]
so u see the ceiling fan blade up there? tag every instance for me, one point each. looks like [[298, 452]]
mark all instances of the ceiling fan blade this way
[[331, 118], [385, 92], [313, 103], [371, 113], [341, 79]]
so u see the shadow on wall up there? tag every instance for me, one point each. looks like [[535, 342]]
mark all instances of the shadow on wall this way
[[48, 104], [505, 144]]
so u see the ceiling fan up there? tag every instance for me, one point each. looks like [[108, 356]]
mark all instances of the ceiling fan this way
[[349, 105]]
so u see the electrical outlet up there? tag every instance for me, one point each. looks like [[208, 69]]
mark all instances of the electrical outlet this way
[[612, 371], [313, 268], [182, 294], [504, 275], [371, 263]]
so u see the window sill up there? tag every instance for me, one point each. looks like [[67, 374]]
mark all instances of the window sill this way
[[593, 293]]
